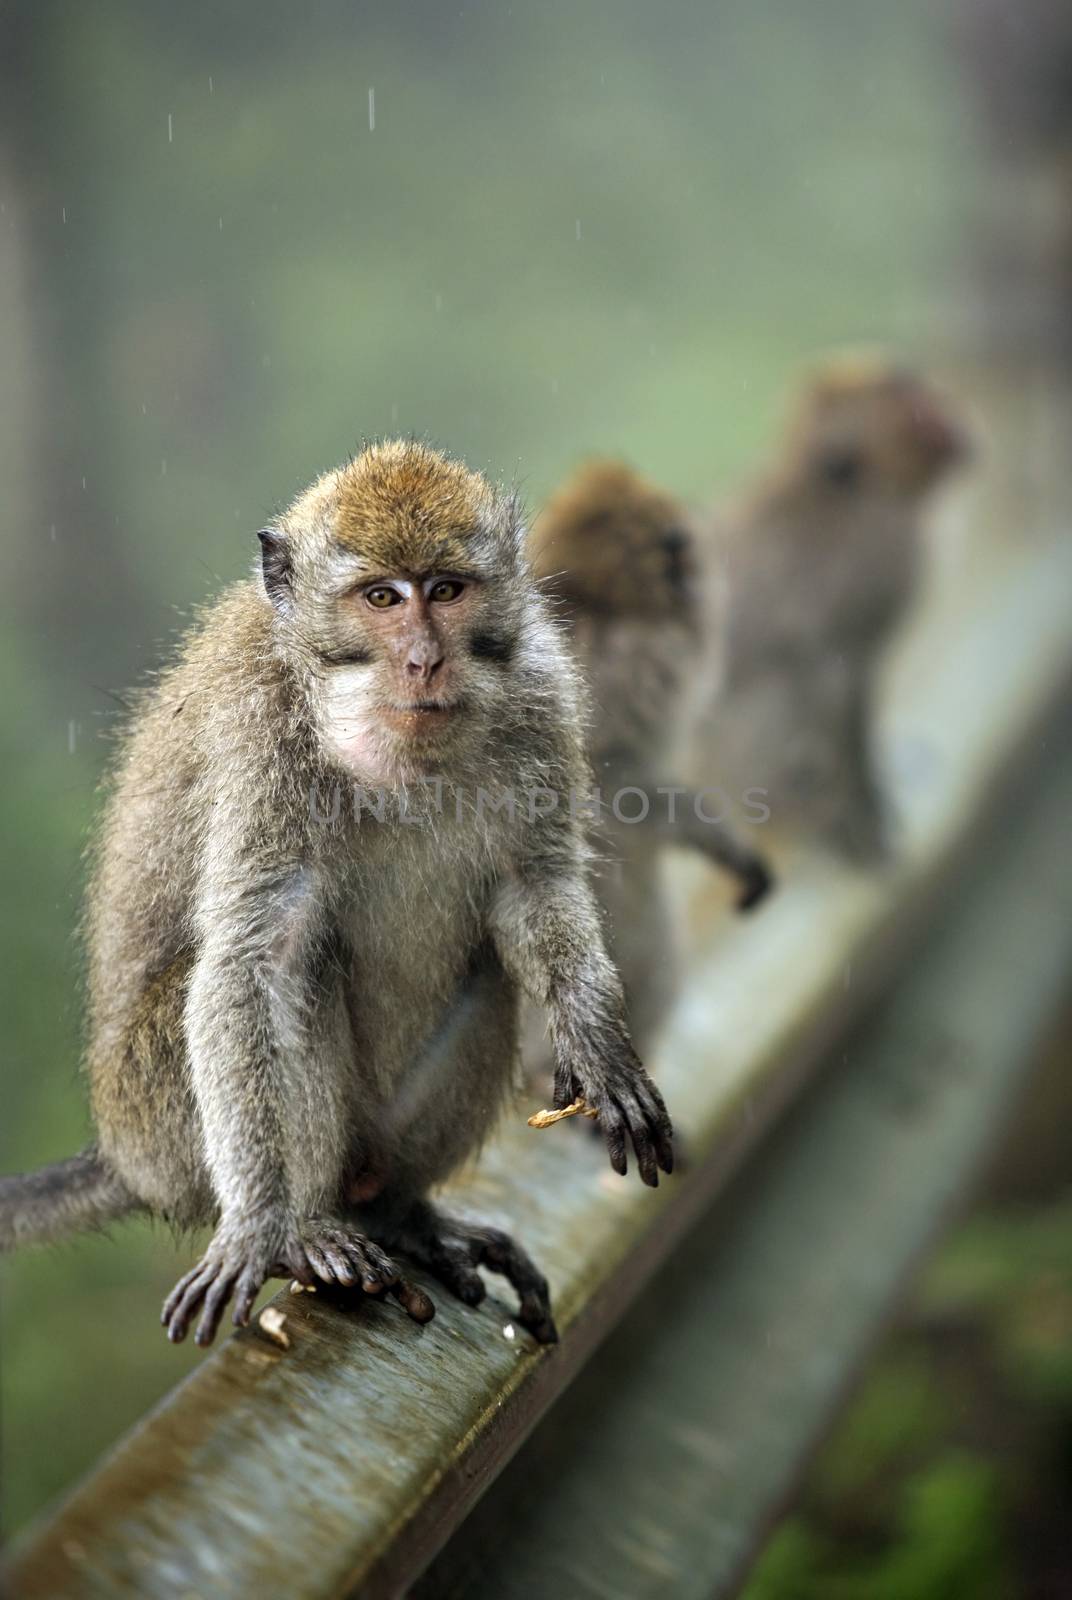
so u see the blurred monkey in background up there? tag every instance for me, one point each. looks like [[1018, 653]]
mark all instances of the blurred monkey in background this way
[[819, 564], [618, 556]]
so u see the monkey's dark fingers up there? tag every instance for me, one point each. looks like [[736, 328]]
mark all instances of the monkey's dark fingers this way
[[176, 1294], [612, 1126], [318, 1262], [660, 1127], [413, 1301], [249, 1286], [639, 1131], [339, 1256], [566, 1088], [499, 1252], [215, 1300], [454, 1265], [376, 1266], [186, 1297], [344, 1269]]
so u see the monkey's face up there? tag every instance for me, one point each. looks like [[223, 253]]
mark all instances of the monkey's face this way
[[886, 431], [402, 595], [410, 663]]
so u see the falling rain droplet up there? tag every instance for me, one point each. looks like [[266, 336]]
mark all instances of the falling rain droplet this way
[[578, 230], [170, 131], [372, 110]]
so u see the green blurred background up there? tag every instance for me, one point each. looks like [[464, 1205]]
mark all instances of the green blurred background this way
[[605, 227]]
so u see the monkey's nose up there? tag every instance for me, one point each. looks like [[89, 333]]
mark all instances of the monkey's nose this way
[[424, 663]]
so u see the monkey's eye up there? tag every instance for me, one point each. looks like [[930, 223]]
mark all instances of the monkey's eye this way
[[381, 595], [444, 590]]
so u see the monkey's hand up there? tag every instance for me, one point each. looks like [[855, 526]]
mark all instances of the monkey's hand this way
[[613, 1083], [244, 1254]]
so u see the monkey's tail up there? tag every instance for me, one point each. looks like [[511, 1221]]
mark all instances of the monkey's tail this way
[[66, 1197]]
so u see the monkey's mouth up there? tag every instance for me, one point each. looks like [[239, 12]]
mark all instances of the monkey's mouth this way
[[422, 715]]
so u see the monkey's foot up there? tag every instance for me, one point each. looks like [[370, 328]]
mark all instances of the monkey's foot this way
[[452, 1249], [756, 882], [239, 1262], [339, 1254]]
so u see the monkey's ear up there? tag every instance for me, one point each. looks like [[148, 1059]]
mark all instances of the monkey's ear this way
[[276, 570]]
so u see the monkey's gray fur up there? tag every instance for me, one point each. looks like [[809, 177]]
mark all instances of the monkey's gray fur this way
[[302, 1019]]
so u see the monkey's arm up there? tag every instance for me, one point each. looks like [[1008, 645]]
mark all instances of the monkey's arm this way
[[547, 930], [687, 822]]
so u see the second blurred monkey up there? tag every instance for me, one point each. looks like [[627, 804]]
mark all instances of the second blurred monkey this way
[[619, 556], [819, 565]]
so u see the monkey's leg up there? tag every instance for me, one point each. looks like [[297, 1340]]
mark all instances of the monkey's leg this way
[[271, 1067], [861, 824], [686, 821], [452, 1248]]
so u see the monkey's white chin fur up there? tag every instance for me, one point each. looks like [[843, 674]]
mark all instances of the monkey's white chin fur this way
[[357, 735]]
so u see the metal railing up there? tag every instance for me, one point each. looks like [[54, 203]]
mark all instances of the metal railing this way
[[345, 1462]]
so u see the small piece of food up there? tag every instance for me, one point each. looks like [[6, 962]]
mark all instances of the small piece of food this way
[[272, 1322], [578, 1107]]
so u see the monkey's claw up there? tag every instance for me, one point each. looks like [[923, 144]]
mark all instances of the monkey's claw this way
[[452, 1249], [228, 1267]]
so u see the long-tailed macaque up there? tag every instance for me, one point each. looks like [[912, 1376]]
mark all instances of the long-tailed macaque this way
[[820, 563], [339, 842]]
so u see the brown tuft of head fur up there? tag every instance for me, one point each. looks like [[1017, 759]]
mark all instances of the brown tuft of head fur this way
[[863, 421], [404, 506], [608, 542]]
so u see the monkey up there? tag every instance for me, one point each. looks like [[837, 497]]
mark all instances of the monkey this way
[[320, 890], [617, 554], [820, 563]]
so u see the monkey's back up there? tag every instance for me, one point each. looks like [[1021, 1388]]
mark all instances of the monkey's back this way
[[139, 929], [807, 579]]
